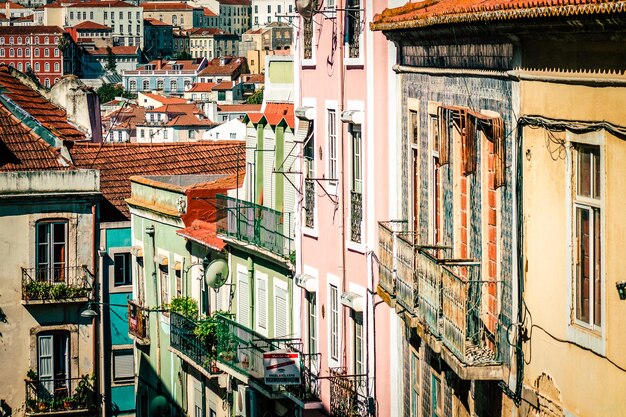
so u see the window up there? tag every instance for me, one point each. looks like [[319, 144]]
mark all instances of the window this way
[[121, 262], [19, 40], [121, 15], [72, 15], [133, 87], [192, 134], [159, 84], [312, 321], [436, 397], [53, 361], [334, 323], [357, 344], [37, 67], [46, 40], [415, 384], [123, 366], [356, 184], [91, 15], [309, 172], [2, 53], [57, 67], [46, 67], [46, 52], [281, 311], [51, 250], [174, 20], [11, 52], [269, 8], [146, 85], [130, 30], [332, 144], [142, 133], [243, 296], [164, 282], [261, 302], [588, 234], [130, 15], [27, 53], [46, 82], [106, 15], [165, 134], [173, 85], [137, 15], [36, 52], [19, 52]]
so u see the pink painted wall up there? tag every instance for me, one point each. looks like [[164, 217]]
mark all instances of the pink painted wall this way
[[324, 250]]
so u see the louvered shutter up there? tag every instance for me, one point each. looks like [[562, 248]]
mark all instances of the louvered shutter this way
[[198, 399], [269, 178], [243, 298], [281, 318], [302, 131], [261, 303], [46, 370], [123, 365]]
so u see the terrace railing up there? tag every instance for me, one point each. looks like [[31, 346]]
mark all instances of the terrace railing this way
[[348, 394], [56, 284], [387, 253], [58, 395], [138, 322]]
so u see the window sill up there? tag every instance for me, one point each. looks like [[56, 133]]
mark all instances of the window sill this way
[[121, 288], [311, 233], [355, 247], [308, 63], [587, 338]]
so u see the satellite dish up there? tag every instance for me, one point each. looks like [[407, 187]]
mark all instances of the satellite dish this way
[[216, 274], [307, 8]]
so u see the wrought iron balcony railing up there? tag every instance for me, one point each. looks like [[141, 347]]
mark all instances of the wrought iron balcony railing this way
[[241, 349], [200, 350], [309, 204], [55, 284], [348, 394], [59, 395], [356, 216], [406, 284], [387, 252], [138, 323], [252, 223]]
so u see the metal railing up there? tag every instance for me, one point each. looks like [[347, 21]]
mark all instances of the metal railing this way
[[55, 283], [242, 349], [309, 204], [356, 216], [308, 38], [406, 284], [183, 339], [58, 395], [387, 247], [137, 322], [348, 394], [252, 223]]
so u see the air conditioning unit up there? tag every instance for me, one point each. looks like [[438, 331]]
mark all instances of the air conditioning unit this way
[[241, 400]]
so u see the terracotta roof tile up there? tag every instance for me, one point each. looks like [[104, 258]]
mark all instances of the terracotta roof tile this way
[[114, 3], [183, 108], [116, 50], [234, 2], [117, 162], [166, 6], [189, 120], [204, 233], [239, 108], [23, 150], [209, 12], [49, 115], [87, 24], [165, 100], [206, 32], [275, 113], [154, 22], [225, 85], [201, 87], [234, 65], [28, 30], [433, 12]]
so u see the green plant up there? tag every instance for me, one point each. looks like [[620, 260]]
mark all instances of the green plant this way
[[60, 291], [32, 405], [185, 306], [32, 375], [37, 290], [83, 390]]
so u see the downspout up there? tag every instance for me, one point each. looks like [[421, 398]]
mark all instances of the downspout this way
[[96, 289], [150, 232], [340, 106]]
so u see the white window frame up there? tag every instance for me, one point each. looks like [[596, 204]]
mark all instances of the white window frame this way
[[117, 350], [309, 62], [279, 283], [592, 337], [334, 361], [332, 156], [356, 61], [244, 270], [311, 231], [331, 186]]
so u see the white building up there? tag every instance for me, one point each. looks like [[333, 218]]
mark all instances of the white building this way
[[235, 16], [268, 11], [233, 129]]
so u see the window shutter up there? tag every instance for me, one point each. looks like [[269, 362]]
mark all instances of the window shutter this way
[[261, 304], [123, 365], [243, 299], [281, 318], [302, 131], [46, 371]]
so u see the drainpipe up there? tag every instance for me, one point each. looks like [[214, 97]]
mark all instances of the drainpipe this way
[[150, 233], [96, 294]]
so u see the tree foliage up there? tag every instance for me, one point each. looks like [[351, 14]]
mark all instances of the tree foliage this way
[[184, 55], [256, 97], [108, 92], [111, 65]]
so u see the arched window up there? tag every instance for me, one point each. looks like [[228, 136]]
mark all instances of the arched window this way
[[19, 40], [173, 85], [47, 82], [19, 66], [37, 67], [159, 84], [36, 52], [132, 85], [46, 40], [46, 67], [146, 85], [56, 67], [174, 20]]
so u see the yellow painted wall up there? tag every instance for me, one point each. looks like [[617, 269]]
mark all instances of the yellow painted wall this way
[[589, 385]]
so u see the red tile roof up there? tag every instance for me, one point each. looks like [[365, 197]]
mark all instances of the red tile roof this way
[[11, 5], [114, 3], [165, 6], [22, 150], [209, 12], [239, 108], [433, 12], [187, 64], [165, 100], [274, 114], [87, 24], [49, 115], [154, 22], [204, 233], [126, 118], [117, 50], [224, 86], [31, 30], [254, 78], [234, 2], [201, 87], [183, 108], [189, 120], [234, 65], [206, 32], [117, 162]]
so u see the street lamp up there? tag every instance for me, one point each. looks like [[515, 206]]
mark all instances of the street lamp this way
[[90, 312]]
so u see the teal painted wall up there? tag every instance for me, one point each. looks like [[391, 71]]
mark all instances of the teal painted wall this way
[[123, 399], [116, 238]]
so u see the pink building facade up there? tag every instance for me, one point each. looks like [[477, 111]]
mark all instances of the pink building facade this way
[[343, 78]]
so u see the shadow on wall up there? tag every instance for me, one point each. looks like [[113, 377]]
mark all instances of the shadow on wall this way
[[152, 398]]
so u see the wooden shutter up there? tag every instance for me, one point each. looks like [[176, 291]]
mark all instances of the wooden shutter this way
[[281, 314], [243, 298], [45, 362], [261, 303], [123, 365]]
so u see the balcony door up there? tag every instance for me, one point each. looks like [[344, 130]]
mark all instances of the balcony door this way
[[53, 363], [51, 251]]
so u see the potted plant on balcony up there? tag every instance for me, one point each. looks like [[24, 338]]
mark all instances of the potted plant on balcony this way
[[83, 391], [69, 403], [206, 331], [185, 306]]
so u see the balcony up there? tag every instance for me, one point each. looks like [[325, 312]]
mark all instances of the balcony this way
[[446, 299], [240, 353], [61, 396], [189, 346], [257, 225], [348, 394], [55, 285], [356, 216], [138, 323], [309, 204]]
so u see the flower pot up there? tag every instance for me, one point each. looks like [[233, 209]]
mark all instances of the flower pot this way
[[42, 406]]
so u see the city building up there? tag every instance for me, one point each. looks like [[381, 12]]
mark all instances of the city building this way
[[173, 123], [125, 19], [212, 43], [158, 39], [96, 61], [34, 50], [345, 85], [234, 16], [225, 68], [171, 77], [90, 35], [177, 14], [48, 211], [265, 12], [211, 19]]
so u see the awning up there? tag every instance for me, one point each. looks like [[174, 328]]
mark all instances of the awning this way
[[305, 113], [353, 300], [303, 131], [137, 251], [356, 117], [161, 260], [306, 282]]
